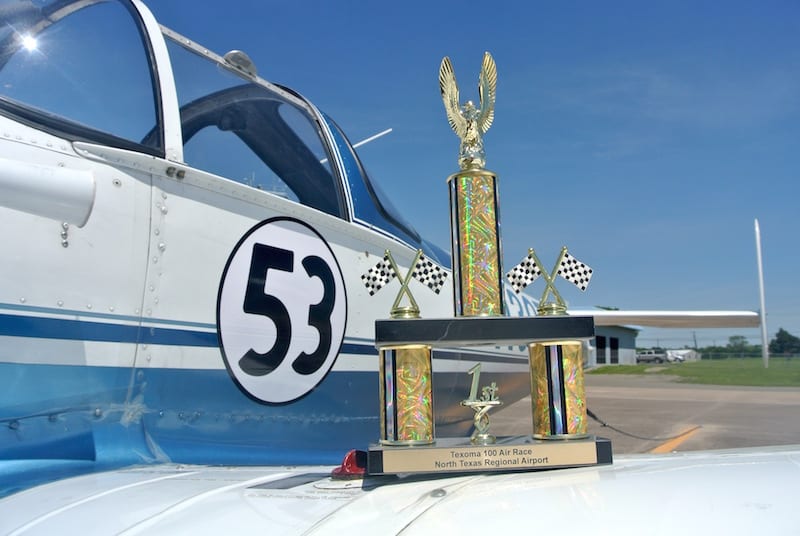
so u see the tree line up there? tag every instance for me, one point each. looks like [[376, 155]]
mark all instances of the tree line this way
[[784, 344]]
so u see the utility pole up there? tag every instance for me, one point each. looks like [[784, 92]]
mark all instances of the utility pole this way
[[763, 310]]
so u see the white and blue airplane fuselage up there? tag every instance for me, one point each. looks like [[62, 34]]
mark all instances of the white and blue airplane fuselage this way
[[183, 247]]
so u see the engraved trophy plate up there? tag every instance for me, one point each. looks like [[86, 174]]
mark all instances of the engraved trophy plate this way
[[459, 455]]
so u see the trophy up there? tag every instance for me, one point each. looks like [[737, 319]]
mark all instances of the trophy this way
[[557, 388], [404, 341], [474, 220]]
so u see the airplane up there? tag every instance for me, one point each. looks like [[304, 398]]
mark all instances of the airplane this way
[[142, 219], [184, 321]]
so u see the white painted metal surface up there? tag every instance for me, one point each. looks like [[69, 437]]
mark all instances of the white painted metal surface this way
[[722, 492], [50, 191]]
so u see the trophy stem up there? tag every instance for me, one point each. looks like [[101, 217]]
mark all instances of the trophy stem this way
[[481, 435]]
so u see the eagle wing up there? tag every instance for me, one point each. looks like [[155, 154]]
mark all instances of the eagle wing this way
[[487, 88], [449, 89]]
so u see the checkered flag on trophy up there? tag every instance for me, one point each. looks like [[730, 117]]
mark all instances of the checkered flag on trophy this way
[[379, 275], [524, 273], [427, 273], [575, 271]]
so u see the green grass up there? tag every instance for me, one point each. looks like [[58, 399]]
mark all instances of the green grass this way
[[782, 372]]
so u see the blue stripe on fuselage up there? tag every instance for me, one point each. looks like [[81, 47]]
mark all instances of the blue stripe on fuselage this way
[[82, 330], [61, 328]]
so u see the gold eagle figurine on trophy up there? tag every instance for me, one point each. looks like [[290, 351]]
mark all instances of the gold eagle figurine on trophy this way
[[468, 122]]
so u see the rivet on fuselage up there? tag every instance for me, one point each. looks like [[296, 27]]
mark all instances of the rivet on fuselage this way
[[64, 234]]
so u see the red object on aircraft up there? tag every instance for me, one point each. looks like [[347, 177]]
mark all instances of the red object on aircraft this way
[[354, 465]]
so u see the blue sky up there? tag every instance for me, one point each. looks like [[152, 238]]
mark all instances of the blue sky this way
[[645, 136]]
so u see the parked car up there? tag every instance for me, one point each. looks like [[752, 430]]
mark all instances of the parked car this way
[[659, 356], [651, 356]]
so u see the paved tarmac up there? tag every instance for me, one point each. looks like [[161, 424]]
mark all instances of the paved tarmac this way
[[656, 408]]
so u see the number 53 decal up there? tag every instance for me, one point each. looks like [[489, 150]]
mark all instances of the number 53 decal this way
[[281, 311]]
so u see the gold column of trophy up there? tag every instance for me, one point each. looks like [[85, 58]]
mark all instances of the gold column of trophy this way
[[474, 220], [406, 376], [558, 395]]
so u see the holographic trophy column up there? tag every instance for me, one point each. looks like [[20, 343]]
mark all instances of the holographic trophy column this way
[[558, 394], [406, 395], [474, 220], [406, 375]]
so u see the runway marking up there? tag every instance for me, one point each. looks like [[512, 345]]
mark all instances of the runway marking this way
[[672, 444]]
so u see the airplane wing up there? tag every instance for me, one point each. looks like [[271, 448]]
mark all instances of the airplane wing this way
[[743, 491], [673, 319]]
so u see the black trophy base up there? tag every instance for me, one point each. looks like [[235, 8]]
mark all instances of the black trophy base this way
[[513, 453]]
